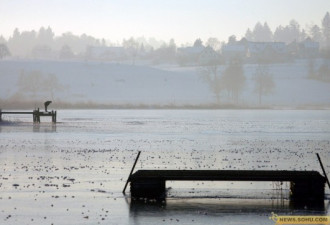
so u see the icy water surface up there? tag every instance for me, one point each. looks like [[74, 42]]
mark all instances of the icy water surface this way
[[74, 172]]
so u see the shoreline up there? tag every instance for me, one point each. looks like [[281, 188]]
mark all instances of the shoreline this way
[[7, 105]]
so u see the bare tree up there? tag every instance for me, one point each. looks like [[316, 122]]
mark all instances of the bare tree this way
[[324, 71], [213, 43], [132, 46], [66, 52], [52, 85], [209, 73], [30, 83], [233, 79], [35, 82], [264, 83], [311, 69]]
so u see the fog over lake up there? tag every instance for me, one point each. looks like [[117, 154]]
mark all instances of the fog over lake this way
[[192, 85]]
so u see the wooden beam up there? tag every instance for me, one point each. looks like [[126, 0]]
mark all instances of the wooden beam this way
[[324, 173], [129, 177], [306, 186], [36, 114]]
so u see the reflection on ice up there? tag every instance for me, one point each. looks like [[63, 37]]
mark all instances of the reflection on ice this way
[[44, 128], [78, 168], [199, 210]]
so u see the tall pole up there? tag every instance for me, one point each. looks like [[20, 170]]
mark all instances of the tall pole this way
[[129, 177], [325, 175]]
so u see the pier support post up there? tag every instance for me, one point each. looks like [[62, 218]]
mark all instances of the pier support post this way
[[55, 115], [151, 189], [130, 174], [324, 173], [310, 193], [36, 116]]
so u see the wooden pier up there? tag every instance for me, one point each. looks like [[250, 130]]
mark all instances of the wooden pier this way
[[305, 186], [36, 114]]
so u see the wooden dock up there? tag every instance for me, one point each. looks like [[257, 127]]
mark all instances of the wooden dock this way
[[36, 114], [304, 185]]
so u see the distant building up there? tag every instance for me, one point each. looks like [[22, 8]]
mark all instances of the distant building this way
[[305, 49], [191, 50], [208, 56], [189, 55], [42, 52], [309, 48], [255, 51], [266, 51], [106, 53], [257, 48], [235, 50]]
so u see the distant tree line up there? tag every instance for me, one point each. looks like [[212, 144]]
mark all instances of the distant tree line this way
[[292, 33], [45, 45]]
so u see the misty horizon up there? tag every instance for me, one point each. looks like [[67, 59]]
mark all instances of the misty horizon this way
[[308, 30], [183, 21], [28, 43], [231, 95], [265, 61]]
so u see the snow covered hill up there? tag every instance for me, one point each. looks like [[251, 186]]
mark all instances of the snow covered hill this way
[[126, 84]]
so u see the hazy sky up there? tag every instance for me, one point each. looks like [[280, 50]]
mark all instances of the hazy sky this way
[[183, 20]]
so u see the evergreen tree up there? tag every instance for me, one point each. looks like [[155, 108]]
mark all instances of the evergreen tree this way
[[315, 33], [198, 43], [248, 35], [4, 52], [326, 29]]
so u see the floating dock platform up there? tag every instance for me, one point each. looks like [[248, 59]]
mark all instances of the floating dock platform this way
[[305, 186]]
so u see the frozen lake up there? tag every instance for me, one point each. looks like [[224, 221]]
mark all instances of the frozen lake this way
[[73, 172]]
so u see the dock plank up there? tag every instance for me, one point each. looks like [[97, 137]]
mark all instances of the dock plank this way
[[16, 112], [228, 175], [36, 114]]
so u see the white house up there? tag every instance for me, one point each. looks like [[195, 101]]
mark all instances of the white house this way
[[106, 53], [189, 55], [191, 50], [257, 48], [309, 48], [236, 50], [208, 56]]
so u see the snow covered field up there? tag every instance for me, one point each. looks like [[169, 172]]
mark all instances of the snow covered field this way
[[121, 84]]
